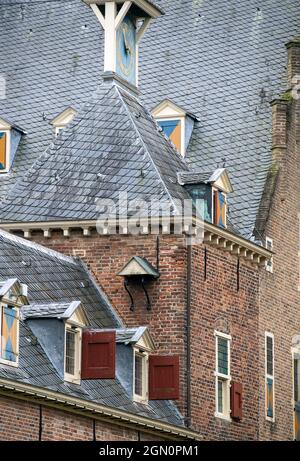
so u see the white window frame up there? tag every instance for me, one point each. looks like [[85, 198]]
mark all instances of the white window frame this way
[[226, 378], [75, 378], [145, 373], [269, 335], [8, 362], [269, 264], [295, 356], [182, 121], [8, 144]]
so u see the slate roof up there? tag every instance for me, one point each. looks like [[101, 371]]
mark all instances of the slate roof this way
[[225, 66], [58, 279], [129, 335], [52, 310], [113, 145]]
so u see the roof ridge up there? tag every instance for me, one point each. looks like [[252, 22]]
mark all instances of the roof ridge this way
[[36, 246], [145, 147]]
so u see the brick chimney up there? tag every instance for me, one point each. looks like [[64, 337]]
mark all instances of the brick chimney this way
[[293, 48]]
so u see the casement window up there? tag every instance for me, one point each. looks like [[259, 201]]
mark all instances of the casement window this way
[[269, 246], [140, 376], [220, 208], [269, 376], [9, 340], [222, 375], [173, 129], [4, 150], [72, 353]]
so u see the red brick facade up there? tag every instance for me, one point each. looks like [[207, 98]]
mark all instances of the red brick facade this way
[[24, 421], [226, 301], [279, 299]]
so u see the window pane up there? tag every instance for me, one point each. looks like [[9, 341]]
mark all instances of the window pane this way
[[220, 396], [70, 352], [9, 324], [269, 355], [138, 384], [2, 150], [172, 129], [223, 356]]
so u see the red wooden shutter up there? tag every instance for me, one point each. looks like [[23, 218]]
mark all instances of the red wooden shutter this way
[[236, 400], [164, 377], [98, 355]]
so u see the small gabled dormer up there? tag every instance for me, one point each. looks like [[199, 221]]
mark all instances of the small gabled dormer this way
[[176, 123], [143, 375], [209, 193], [63, 119], [59, 328], [13, 295], [10, 136]]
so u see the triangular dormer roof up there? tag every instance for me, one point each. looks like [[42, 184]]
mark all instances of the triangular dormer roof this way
[[138, 266], [73, 312], [64, 117], [168, 108], [12, 291], [219, 179]]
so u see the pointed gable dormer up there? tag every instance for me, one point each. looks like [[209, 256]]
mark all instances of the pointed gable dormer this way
[[124, 23], [63, 119], [176, 122]]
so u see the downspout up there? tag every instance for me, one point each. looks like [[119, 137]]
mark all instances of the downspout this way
[[188, 333]]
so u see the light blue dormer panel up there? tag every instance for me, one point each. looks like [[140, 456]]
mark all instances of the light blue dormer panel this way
[[15, 139]]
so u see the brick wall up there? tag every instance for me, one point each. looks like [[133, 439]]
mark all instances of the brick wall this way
[[20, 420], [279, 295], [216, 304]]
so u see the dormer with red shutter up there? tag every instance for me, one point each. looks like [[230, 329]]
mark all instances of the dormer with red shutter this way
[[146, 376]]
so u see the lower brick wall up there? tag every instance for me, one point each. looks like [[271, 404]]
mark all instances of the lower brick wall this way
[[217, 303], [20, 421]]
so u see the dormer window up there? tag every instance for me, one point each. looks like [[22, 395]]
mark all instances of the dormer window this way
[[59, 330], [12, 298], [73, 340], [10, 136], [209, 193], [63, 119], [176, 123], [4, 148], [141, 362], [9, 327], [73, 353]]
